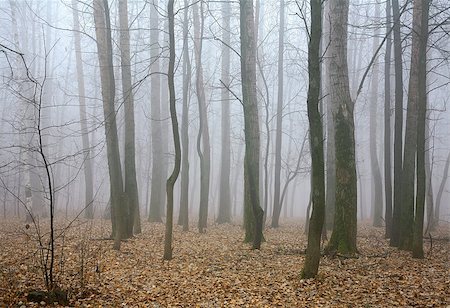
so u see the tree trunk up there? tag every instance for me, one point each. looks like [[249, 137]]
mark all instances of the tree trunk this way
[[387, 125], [131, 187], [225, 198], [441, 191], [251, 125], [88, 177], [184, 198], [429, 177], [343, 238], [176, 135], [156, 198], [377, 192], [410, 150], [311, 266], [104, 47], [203, 148], [398, 129], [422, 6], [279, 136]]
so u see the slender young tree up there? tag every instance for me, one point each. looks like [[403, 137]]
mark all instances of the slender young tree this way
[[279, 136], [225, 197], [88, 176], [343, 237], [251, 125], [441, 191], [377, 192], [203, 147], [176, 135], [398, 124], [311, 265], [387, 125], [183, 218], [104, 47], [131, 187]]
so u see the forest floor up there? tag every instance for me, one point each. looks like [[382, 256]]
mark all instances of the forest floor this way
[[217, 269]]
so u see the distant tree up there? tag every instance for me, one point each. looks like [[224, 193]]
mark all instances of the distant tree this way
[[225, 197], [279, 136], [157, 184], [343, 237], [311, 265], [104, 47], [441, 191], [88, 177], [251, 125], [203, 147], [176, 135], [183, 218], [131, 188], [377, 192]]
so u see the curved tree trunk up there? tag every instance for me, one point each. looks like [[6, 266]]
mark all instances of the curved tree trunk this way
[[203, 147]]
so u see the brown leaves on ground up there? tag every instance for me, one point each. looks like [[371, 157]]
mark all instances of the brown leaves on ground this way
[[217, 269]]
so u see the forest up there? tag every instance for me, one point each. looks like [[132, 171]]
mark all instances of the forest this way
[[215, 153]]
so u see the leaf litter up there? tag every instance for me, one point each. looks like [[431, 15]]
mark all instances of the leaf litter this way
[[217, 269]]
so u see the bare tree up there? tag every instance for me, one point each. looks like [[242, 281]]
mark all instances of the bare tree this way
[[343, 238], [183, 218], [311, 265], [131, 188], [251, 125], [278, 136], [225, 198], [104, 47], [176, 135]]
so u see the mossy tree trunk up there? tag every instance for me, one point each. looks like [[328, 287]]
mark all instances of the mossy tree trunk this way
[[343, 237]]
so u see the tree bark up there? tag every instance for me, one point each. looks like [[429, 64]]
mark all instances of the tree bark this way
[[203, 147], [131, 187], [225, 198], [88, 177], [422, 6], [387, 125], [377, 192], [316, 221], [251, 125], [343, 238], [184, 196], [398, 129], [156, 198], [176, 135], [279, 136], [104, 47]]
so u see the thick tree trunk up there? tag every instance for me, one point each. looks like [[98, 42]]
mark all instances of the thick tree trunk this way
[[387, 125], [184, 196], [377, 192], [156, 198], [279, 130], [176, 135], [203, 147], [88, 177], [410, 150], [251, 125], [131, 187], [104, 47], [429, 176], [343, 238], [398, 129], [311, 266], [422, 6]]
